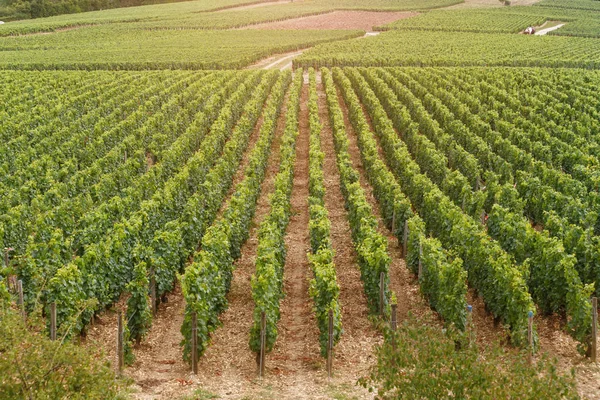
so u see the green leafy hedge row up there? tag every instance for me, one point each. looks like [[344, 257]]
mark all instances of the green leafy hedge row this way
[[490, 269], [107, 265], [423, 140], [561, 213], [207, 280], [267, 282], [577, 307], [78, 155], [62, 128], [443, 279], [58, 218], [444, 282], [549, 291], [65, 215], [559, 117], [324, 288], [530, 195], [370, 245], [562, 193], [165, 250], [553, 280], [394, 206]]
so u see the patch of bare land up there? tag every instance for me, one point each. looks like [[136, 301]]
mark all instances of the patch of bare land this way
[[280, 61], [255, 5], [364, 20]]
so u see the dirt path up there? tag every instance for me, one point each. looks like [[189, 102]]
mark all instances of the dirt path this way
[[363, 20], [294, 364], [284, 61], [542, 32], [279, 61]]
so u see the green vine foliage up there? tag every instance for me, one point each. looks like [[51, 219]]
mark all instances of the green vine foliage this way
[[443, 281], [206, 282], [4, 294], [267, 282], [73, 307], [490, 269], [370, 245], [324, 288], [553, 279], [325, 292], [139, 312]]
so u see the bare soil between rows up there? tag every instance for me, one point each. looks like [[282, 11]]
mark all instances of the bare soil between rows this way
[[364, 20]]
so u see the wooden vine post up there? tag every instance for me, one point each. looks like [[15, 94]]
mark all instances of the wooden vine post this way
[[420, 275], [594, 329], [153, 292], [394, 222], [120, 345], [330, 346], [530, 337], [53, 321], [394, 324], [381, 293], [405, 239], [12, 280], [195, 343], [263, 344], [21, 300], [6, 265], [469, 327]]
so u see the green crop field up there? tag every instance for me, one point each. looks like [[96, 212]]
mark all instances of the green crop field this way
[[339, 205]]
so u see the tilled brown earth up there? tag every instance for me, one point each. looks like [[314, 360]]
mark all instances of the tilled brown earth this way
[[364, 20]]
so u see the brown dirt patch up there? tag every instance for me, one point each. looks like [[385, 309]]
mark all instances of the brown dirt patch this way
[[364, 20], [254, 5], [280, 61], [159, 370]]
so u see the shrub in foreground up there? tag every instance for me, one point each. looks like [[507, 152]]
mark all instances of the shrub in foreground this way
[[34, 367], [429, 364]]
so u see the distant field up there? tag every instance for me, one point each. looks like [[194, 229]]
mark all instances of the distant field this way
[[192, 14], [507, 20], [119, 47], [415, 48]]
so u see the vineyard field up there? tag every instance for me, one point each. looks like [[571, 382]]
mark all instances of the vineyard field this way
[[197, 14], [298, 199], [141, 162], [429, 48], [123, 47]]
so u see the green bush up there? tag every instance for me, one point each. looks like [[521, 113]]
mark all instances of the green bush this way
[[427, 364], [33, 366]]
